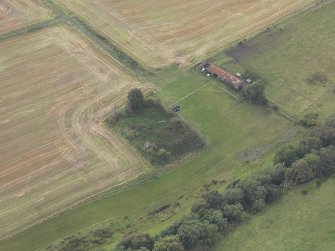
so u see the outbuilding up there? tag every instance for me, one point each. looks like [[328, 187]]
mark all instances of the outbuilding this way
[[225, 76]]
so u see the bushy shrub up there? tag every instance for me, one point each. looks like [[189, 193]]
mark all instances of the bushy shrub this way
[[164, 156], [135, 100], [287, 155], [277, 174], [136, 242], [327, 157], [255, 93], [214, 199], [307, 144], [273, 193], [254, 195], [330, 122], [233, 195], [310, 119], [235, 213], [169, 243], [197, 233], [299, 173], [215, 217]]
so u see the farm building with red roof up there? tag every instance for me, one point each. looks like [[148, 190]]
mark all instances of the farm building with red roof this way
[[225, 76]]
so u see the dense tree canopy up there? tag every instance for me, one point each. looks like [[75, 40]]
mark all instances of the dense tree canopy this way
[[136, 242]]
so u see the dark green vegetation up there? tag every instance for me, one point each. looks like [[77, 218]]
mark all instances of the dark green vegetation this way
[[254, 92], [242, 137], [216, 214], [94, 238], [158, 134], [295, 222], [296, 61]]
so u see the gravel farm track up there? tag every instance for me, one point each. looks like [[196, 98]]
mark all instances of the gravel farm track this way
[[58, 82]]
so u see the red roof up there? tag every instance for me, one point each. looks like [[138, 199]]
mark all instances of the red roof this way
[[231, 79]]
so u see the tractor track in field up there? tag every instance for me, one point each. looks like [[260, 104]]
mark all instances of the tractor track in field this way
[[33, 28], [63, 16], [79, 126], [99, 40]]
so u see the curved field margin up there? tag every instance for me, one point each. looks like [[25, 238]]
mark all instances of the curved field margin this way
[[17, 13], [160, 32], [55, 150]]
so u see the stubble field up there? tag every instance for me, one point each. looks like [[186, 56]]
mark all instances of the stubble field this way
[[17, 13], [55, 151], [158, 33], [56, 89]]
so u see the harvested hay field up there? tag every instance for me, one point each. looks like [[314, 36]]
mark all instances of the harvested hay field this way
[[55, 150], [160, 32], [17, 13]]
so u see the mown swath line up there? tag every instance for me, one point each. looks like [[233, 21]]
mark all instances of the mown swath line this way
[[191, 93], [106, 44]]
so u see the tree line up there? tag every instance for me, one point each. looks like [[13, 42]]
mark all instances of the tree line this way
[[215, 214]]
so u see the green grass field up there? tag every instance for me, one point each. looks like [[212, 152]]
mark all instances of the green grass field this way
[[289, 54], [242, 140], [296, 222]]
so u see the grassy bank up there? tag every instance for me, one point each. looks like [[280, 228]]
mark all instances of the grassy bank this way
[[296, 222]]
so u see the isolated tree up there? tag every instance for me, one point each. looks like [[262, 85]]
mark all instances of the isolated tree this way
[[255, 93], [169, 243], [135, 100]]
